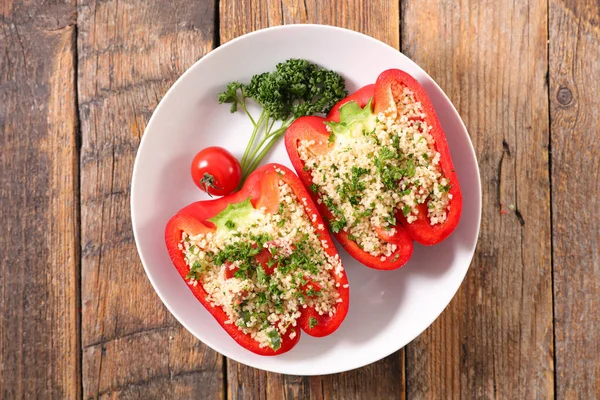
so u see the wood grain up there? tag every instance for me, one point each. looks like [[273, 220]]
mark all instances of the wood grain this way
[[575, 116], [379, 19], [130, 52], [381, 380], [495, 340], [39, 261], [100, 68]]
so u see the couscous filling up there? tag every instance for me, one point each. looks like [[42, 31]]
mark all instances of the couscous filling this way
[[376, 166], [264, 268]]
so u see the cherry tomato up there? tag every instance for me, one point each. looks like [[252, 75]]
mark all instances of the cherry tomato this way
[[216, 171]]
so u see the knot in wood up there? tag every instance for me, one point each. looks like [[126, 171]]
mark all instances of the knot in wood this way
[[564, 96]]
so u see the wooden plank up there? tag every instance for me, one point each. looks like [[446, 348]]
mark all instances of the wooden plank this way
[[130, 52], [495, 340], [377, 19], [39, 257], [574, 88], [381, 380]]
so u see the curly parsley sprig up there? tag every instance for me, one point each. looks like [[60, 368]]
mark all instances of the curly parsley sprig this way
[[296, 88]]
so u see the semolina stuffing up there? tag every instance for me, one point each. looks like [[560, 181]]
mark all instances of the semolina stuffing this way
[[265, 300], [378, 166]]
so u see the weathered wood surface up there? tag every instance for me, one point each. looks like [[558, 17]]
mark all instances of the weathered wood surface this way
[[39, 256], [575, 127], [381, 380], [495, 340], [130, 52], [378, 19], [78, 83]]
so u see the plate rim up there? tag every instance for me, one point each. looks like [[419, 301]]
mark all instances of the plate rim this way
[[179, 81]]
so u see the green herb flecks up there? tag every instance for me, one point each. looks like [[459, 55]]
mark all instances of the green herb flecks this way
[[406, 210], [243, 253], [353, 186], [261, 275], [331, 138], [195, 271], [230, 224], [275, 339], [338, 224]]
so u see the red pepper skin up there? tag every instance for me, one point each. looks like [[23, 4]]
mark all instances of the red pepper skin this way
[[361, 96], [421, 230], [262, 189], [313, 128]]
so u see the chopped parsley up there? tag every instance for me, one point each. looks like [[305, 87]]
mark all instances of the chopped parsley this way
[[261, 275], [312, 322], [243, 253], [195, 271], [329, 203], [261, 298], [352, 187], [361, 214], [444, 189], [390, 219], [275, 339], [338, 224], [230, 224]]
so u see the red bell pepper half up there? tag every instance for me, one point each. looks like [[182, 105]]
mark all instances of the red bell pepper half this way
[[421, 230], [261, 188], [312, 128], [382, 96]]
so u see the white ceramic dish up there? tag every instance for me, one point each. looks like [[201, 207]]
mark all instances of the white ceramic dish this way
[[387, 309]]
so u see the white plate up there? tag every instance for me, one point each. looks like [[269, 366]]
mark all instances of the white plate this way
[[387, 309]]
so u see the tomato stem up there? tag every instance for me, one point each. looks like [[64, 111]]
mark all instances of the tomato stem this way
[[208, 182]]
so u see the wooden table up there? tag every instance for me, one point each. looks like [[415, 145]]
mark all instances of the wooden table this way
[[78, 83]]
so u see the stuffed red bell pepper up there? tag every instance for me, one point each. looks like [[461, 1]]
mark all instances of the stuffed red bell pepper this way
[[380, 171], [262, 262]]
